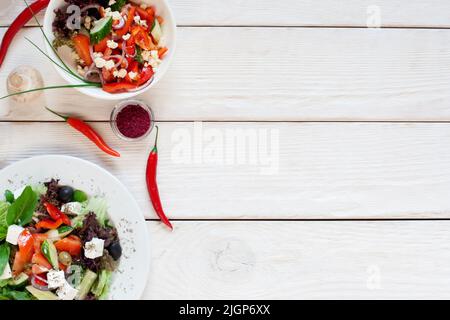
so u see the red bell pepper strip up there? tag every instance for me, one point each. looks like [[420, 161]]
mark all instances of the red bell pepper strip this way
[[116, 87], [126, 27], [49, 224], [152, 185], [25, 16], [56, 214], [88, 132]]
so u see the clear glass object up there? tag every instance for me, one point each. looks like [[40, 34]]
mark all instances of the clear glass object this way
[[119, 107]]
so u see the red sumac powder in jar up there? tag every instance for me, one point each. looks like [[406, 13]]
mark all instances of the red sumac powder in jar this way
[[133, 121]]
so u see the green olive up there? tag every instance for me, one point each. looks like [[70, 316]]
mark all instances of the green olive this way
[[65, 258]]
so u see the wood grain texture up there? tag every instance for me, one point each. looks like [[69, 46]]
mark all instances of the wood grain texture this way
[[300, 260], [393, 13], [277, 74], [297, 171]]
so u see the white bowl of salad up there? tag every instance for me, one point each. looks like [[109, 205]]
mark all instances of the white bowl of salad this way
[[69, 230], [111, 49]]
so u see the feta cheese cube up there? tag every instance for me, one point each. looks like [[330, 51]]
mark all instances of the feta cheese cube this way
[[66, 292], [94, 248], [18, 192], [6, 273], [13, 234], [72, 208], [55, 279], [132, 75], [137, 19], [126, 37]]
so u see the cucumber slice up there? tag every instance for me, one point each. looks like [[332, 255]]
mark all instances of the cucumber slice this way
[[101, 29], [156, 31], [18, 282], [49, 251], [118, 5], [64, 231], [41, 295], [86, 284]]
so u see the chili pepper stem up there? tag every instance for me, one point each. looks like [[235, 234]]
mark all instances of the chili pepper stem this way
[[57, 114], [155, 147]]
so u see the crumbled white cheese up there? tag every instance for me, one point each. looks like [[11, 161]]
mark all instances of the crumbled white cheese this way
[[120, 74], [55, 279], [18, 192], [72, 208], [143, 23], [126, 36], [66, 292], [114, 14], [97, 55], [110, 64], [94, 248], [99, 62], [132, 75], [6, 272], [152, 58], [137, 19], [111, 2], [13, 234], [112, 44]]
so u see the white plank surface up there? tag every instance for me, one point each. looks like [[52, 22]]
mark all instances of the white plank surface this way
[[343, 170], [392, 13], [305, 74], [300, 260]]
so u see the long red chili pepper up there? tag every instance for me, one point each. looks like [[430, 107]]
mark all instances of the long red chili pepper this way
[[87, 131], [152, 185], [25, 16]]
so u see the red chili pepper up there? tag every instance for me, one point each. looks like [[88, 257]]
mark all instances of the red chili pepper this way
[[152, 185], [25, 16], [88, 132], [56, 214]]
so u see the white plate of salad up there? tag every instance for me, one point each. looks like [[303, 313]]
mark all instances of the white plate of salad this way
[[111, 49], [69, 230]]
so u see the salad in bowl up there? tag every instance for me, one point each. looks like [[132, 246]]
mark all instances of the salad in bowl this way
[[56, 243], [124, 46]]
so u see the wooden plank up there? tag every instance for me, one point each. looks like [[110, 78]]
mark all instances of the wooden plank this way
[[313, 74], [359, 13], [272, 171], [300, 260]]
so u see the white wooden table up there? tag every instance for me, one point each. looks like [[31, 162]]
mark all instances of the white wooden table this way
[[358, 206]]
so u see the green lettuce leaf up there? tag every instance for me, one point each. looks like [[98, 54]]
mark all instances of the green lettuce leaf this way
[[21, 211]]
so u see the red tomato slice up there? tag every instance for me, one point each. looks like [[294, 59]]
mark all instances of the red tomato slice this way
[[20, 260], [56, 214], [102, 45], [146, 74], [26, 244], [71, 244], [118, 87], [39, 259], [82, 43], [38, 239]]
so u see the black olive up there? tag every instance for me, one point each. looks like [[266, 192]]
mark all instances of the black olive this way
[[115, 250], [65, 194]]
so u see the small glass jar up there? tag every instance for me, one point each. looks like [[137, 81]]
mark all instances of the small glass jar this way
[[119, 108]]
